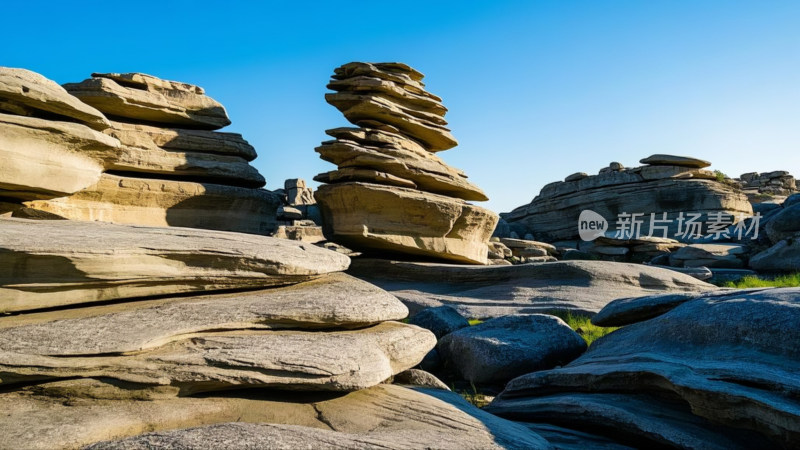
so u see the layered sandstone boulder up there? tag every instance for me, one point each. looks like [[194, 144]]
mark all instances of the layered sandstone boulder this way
[[390, 192], [167, 167], [667, 184], [50, 142]]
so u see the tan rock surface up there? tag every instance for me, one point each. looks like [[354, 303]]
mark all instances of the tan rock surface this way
[[153, 202], [45, 159], [424, 169], [27, 93], [366, 84], [363, 175], [435, 137], [56, 263], [140, 153], [376, 138], [146, 98], [202, 141], [372, 217], [39, 418]]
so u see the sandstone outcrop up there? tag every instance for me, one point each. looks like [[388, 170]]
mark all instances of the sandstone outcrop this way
[[27, 93], [667, 185], [145, 98], [484, 292], [390, 191], [712, 372], [156, 174]]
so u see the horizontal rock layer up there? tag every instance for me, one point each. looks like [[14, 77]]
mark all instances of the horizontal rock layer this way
[[366, 217], [154, 202], [493, 291], [384, 415], [43, 159], [145, 98], [27, 93], [56, 263]]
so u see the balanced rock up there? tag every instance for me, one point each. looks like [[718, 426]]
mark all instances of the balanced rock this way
[[658, 195], [671, 160], [27, 93], [145, 98], [372, 217], [390, 192], [55, 263], [723, 367]]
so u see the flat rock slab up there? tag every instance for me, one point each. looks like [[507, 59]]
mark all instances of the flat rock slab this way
[[27, 93], [54, 263], [143, 97], [500, 349], [672, 160], [202, 362], [331, 301], [493, 291], [371, 217], [44, 159], [161, 203], [397, 417], [733, 360]]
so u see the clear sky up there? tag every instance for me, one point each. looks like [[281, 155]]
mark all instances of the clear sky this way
[[537, 90]]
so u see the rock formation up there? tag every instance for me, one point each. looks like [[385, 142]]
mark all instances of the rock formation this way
[[390, 192], [666, 184], [137, 361], [767, 186], [713, 371], [299, 218], [158, 162]]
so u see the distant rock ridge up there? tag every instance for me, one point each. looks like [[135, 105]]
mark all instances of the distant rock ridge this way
[[665, 184], [390, 192]]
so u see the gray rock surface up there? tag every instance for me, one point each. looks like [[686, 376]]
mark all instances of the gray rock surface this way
[[441, 320], [500, 349], [331, 301], [211, 361], [781, 257], [493, 291], [784, 224], [421, 378], [672, 160], [732, 360], [55, 263]]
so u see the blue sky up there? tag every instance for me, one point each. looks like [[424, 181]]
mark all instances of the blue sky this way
[[537, 90]]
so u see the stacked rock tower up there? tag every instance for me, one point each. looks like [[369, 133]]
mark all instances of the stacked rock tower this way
[[390, 192], [163, 163]]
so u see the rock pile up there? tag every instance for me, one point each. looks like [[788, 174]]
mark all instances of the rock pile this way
[[666, 184], [390, 192], [299, 218], [782, 229], [161, 162], [767, 186], [95, 321], [706, 371]]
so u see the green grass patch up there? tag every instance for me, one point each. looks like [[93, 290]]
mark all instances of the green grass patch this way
[[752, 281], [581, 323]]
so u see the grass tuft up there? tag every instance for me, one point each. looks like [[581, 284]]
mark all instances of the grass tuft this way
[[752, 281], [581, 323]]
